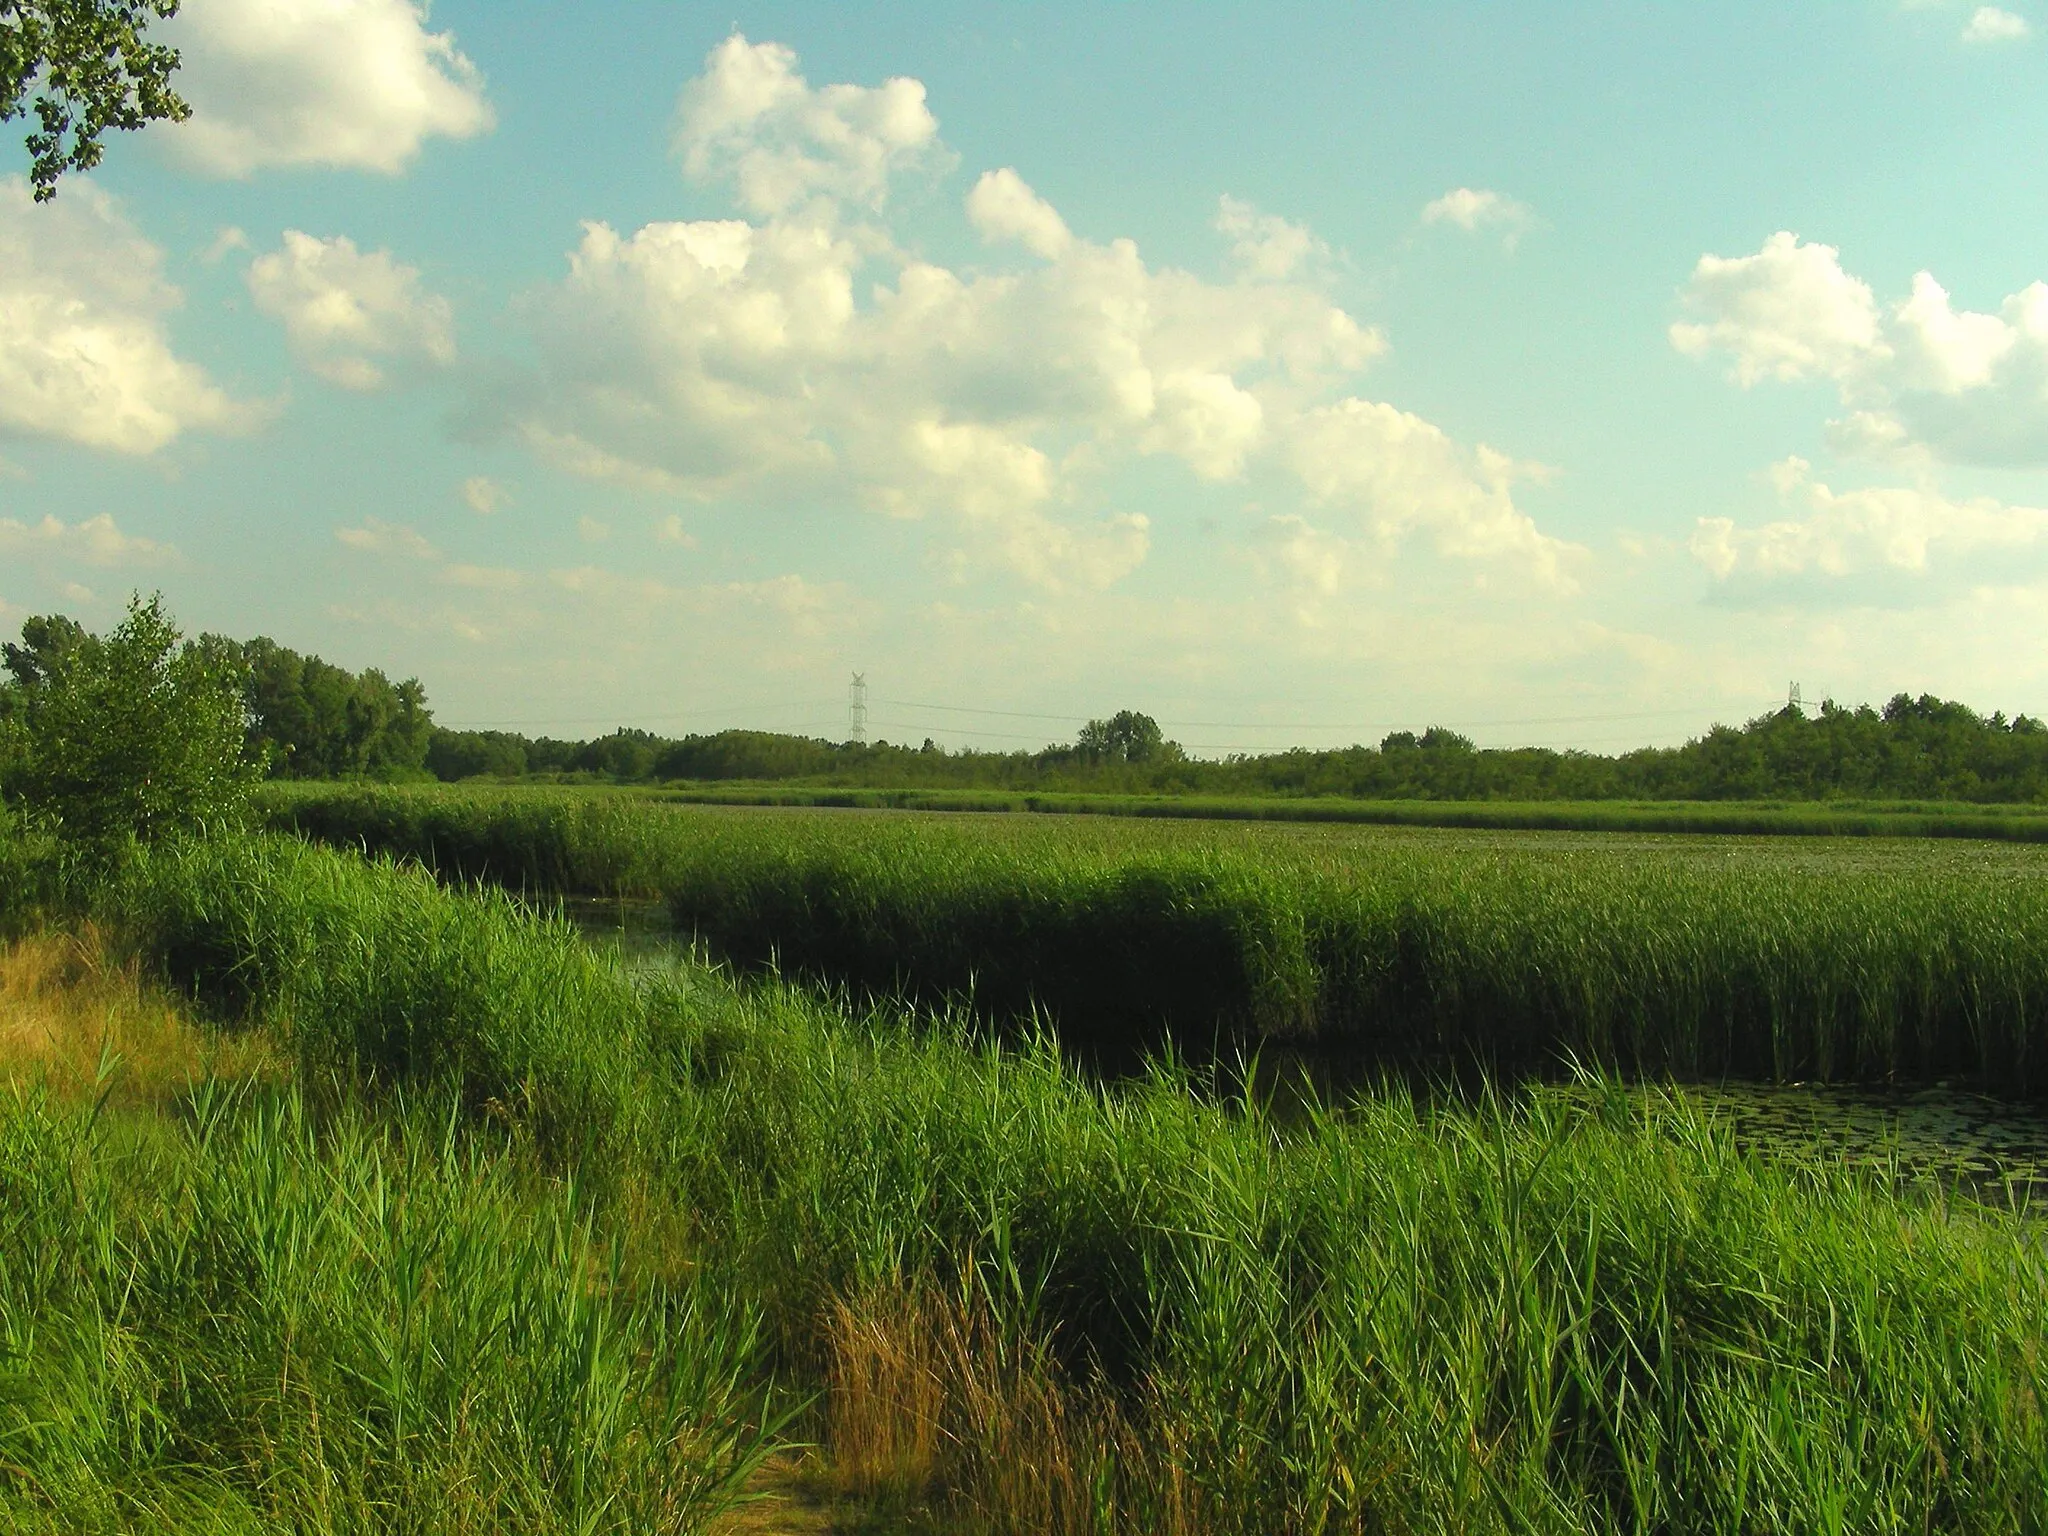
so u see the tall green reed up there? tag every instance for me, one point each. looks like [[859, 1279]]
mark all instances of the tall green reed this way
[[1576, 1311], [377, 970], [38, 875], [379, 1327], [1791, 818]]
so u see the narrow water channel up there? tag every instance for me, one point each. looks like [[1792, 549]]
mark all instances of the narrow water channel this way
[[1945, 1136]]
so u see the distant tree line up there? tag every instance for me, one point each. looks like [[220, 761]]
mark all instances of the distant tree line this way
[[1128, 745], [1924, 748], [1912, 749], [308, 718]]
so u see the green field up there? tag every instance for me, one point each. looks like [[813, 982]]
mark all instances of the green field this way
[[1870, 960], [460, 1226]]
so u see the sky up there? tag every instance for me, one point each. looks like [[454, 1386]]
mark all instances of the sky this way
[[1572, 375]]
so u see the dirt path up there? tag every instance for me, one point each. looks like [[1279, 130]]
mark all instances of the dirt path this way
[[794, 1500], [787, 1503]]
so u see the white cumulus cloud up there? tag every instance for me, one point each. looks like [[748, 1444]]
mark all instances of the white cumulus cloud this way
[[1396, 473], [1990, 24], [752, 119], [95, 540], [1264, 244], [1935, 348], [1475, 208], [1002, 207], [1206, 420], [1788, 312], [677, 355], [230, 237], [84, 352], [1835, 534], [707, 356], [800, 354], [349, 314], [346, 83], [1919, 377]]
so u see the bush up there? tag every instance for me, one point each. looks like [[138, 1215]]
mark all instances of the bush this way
[[132, 736], [31, 872]]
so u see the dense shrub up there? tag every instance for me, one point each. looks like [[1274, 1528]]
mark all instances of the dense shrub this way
[[134, 735]]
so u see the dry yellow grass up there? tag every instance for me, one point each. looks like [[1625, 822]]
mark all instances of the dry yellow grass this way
[[930, 1402], [887, 1391], [70, 1004]]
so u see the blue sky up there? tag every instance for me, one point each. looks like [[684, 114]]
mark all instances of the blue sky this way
[[1575, 374]]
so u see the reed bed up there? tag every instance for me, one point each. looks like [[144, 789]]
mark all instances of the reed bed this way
[[1030, 1301], [1836, 961], [32, 870]]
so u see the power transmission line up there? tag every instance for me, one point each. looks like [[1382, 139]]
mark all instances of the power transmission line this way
[[858, 720], [616, 717], [1302, 725]]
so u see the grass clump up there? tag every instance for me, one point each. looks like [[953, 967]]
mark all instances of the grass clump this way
[[376, 970], [551, 843]]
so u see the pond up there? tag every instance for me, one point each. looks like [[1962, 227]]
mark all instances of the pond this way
[[1995, 1149]]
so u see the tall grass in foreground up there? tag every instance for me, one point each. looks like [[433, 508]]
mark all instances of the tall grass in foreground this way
[[237, 1325], [1388, 948], [1035, 1303]]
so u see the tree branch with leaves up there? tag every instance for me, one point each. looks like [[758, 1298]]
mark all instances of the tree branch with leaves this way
[[90, 66]]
